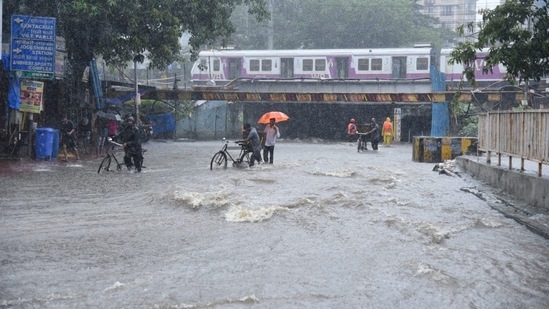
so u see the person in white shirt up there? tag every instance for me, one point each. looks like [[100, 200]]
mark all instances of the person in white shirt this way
[[271, 133]]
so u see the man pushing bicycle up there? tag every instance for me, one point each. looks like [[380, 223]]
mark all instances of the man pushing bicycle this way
[[131, 139]]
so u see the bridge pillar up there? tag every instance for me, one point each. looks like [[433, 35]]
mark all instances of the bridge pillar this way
[[440, 122]]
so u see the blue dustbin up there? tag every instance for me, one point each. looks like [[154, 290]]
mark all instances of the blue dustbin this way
[[55, 144], [44, 143]]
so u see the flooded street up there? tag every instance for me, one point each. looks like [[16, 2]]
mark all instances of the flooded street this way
[[323, 227]]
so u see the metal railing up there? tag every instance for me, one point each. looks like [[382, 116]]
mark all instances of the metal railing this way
[[522, 134]]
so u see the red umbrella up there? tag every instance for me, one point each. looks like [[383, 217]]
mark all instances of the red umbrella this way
[[278, 116]]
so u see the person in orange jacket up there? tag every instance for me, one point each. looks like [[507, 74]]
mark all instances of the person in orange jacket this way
[[387, 132]]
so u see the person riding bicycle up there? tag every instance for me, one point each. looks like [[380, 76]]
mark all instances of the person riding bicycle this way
[[131, 139]]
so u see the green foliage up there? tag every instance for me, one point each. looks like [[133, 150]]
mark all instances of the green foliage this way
[[517, 35], [120, 30], [340, 24], [464, 119]]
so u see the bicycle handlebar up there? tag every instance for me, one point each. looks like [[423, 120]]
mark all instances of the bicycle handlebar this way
[[241, 142], [113, 142]]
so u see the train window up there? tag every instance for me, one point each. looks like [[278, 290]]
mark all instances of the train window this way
[[203, 64], [363, 64], [266, 65], [254, 65], [216, 65], [422, 63], [377, 64], [307, 64], [320, 64]]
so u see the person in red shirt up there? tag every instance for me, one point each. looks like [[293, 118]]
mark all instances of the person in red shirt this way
[[351, 130]]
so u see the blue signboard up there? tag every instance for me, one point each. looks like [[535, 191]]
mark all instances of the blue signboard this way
[[33, 46]]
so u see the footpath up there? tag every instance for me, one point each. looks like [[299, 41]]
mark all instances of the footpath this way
[[523, 195]]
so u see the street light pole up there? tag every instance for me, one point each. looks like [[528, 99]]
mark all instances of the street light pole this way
[[136, 103], [137, 58]]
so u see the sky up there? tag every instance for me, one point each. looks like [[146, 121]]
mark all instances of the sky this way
[[489, 4]]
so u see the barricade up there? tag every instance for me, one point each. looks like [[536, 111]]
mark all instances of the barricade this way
[[438, 149]]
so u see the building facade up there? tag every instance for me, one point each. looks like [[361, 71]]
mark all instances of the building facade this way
[[450, 13]]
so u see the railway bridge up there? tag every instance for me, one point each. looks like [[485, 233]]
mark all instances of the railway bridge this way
[[221, 111]]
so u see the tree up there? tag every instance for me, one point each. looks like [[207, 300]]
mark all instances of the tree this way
[[120, 30], [517, 35], [342, 24]]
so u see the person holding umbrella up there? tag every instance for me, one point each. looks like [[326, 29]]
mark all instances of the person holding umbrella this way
[[271, 133]]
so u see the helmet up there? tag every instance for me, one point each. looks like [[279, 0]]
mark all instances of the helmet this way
[[130, 119], [352, 119]]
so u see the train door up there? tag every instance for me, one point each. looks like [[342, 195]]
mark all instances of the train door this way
[[342, 67], [235, 66], [287, 67], [399, 67]]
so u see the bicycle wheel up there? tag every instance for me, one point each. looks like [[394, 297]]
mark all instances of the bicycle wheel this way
[[105, 164], [118, 164], [219, 160], [243, 158]]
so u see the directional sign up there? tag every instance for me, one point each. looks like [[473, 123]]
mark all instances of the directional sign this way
[[36, 56], [33, 27], [33, 46]]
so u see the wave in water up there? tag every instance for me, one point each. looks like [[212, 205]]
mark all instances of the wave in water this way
[[345, 173], [197, 200], [241, 214]]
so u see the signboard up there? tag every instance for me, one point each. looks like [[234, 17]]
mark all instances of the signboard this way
[[33, 46], [31, 96]]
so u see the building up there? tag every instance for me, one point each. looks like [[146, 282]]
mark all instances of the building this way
[[450, 13]]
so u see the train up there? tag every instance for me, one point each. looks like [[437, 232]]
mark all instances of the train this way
[[220, 67]]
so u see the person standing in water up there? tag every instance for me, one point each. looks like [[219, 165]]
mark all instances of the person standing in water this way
[[271, 134], [387, 132]]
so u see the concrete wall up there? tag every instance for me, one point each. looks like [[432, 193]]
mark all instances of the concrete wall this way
[[216, 119], [212, 120], [528, 187]]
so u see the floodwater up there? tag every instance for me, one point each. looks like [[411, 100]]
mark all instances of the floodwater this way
[[323, 227]]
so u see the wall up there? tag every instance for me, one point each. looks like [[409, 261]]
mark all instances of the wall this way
[[218, 119], [530, 188]]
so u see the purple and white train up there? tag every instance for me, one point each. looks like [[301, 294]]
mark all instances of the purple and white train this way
[[218, 67]]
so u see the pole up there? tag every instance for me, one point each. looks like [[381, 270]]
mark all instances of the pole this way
[[270, 31], [136, 100]]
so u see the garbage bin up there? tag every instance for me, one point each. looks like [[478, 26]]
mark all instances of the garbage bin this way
[[44, 143], [55, 144]]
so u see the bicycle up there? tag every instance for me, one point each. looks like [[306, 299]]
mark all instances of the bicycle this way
[[219, 160], [107, 160]]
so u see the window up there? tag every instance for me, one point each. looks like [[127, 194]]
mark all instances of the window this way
[[320, 64], [363, 64], [447, 10], [266, 65], [203, 64], [377, 64], [216, 65], [471, 8], [307, 64], [254, 65], [422, 63]]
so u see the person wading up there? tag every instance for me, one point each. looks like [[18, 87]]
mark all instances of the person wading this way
[[271, 134]]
